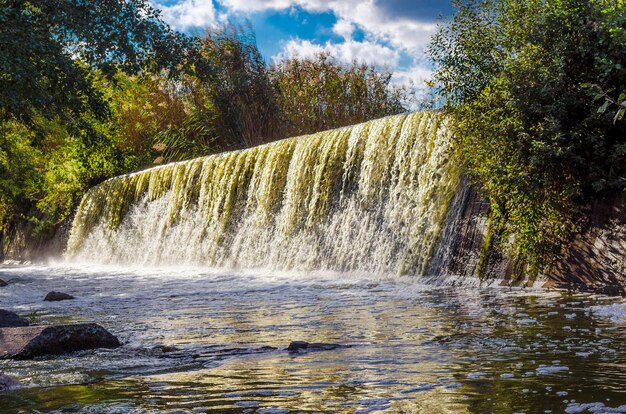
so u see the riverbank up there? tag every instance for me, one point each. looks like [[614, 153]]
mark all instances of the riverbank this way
[[593, 260]]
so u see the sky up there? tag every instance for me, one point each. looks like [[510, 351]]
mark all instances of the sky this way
[[390, 34]]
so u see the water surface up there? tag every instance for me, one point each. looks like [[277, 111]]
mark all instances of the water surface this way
[[214, 341]]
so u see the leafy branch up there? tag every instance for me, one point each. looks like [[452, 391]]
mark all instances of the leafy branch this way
[[609, 102]]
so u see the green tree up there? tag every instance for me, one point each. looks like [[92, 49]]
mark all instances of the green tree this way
[[320, 93], [48, 49], [516, 76], [155, 116], [235, 78]]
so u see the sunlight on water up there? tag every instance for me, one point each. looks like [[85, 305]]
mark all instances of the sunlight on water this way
[[198, 340]]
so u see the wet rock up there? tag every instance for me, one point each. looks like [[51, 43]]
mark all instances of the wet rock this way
[[218, 353], [10, 319], [301, 346], [3, 283], [34, 341], [610, 290], [165, 349], [7, 383], [57, 296]]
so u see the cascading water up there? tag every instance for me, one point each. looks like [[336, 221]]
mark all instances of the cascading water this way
[[372, 197]]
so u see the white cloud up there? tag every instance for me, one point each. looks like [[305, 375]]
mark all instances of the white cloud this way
[[346, 52], [403, 33], [189, 13], [344, 28], [387, 40], [262, 5], [300, 48], [416, 75]]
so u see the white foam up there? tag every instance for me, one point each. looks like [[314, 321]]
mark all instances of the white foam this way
[[551, 369], [615, 312], [594, 407]]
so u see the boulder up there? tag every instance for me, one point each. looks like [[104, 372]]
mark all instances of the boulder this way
[[301, 346], [7, 383], [33, 341], [10, 319], [3, 283], [57, 296]]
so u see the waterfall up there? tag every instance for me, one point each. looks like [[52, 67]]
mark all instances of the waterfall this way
[[371, 197]]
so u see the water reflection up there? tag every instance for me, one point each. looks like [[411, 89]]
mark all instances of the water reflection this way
[[199, 341]]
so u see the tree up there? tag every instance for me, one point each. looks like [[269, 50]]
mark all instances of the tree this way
[[49, 49], [235, 78], [153, 116], [320, 93], [516, 77]]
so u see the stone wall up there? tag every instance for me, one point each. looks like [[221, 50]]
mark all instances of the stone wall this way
[[594, 260]]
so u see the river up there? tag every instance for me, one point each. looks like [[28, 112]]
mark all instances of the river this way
[[198, 340]]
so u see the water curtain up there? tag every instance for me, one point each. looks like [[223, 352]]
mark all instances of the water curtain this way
[[371, 197]]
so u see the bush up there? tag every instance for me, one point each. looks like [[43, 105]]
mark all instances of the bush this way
[[521, 78], [320, 93]]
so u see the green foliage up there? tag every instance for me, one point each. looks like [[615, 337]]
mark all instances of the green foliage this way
[[154, 115], [608, 103], [520, 78], [320, 93], [195, 137], [58, 135], [33, 316], [235, 78], [49, 47], [44, 169], [18, 174], [233, 100]]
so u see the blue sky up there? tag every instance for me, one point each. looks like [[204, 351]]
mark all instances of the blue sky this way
[[390, 34]]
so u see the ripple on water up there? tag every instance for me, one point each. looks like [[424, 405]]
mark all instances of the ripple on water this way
[[198, 340]]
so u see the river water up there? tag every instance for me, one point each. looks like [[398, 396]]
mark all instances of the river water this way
[[214, 341]]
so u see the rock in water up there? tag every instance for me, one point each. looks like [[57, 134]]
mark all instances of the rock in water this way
[[57, 296], [298, 346], [34, 341], [3, 283], [7, 383], [10, 319]]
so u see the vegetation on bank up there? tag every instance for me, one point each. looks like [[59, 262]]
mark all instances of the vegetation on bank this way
[[537, 92], [90, 90]]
